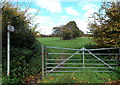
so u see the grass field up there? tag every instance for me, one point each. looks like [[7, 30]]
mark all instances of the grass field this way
[[75, 43], [87, 76]]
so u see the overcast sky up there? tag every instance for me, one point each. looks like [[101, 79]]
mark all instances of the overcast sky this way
[[59, 12]]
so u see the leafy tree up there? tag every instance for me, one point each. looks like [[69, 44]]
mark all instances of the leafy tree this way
[[73, 27], [17, 19], [68, 31], [57, 31], [81, 33], [36, 33], [106, 24]]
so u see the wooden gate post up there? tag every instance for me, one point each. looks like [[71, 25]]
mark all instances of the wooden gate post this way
[[42, 61]]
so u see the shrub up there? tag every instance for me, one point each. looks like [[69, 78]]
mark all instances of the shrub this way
[[25, 50], [14, 81], [23, 62]]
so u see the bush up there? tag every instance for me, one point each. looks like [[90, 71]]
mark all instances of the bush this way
[[23, 62], [90, 46], [117, 69], [14, 81], [25, 50]]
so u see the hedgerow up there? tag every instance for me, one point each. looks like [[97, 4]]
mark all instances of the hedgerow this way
[[25, 50]]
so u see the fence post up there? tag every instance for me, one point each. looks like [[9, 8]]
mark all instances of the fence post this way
[[8, 53], [119, 57], [42, 61], [46, 56], [83, 58]]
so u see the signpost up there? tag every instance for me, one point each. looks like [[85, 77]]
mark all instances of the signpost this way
[[9, 29]]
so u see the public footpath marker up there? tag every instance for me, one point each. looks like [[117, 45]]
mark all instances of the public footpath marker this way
[[9, 29]]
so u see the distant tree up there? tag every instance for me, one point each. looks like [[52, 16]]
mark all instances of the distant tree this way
[[73, 26], [106, 24], [68, 31], [81, 33], [57, 32]]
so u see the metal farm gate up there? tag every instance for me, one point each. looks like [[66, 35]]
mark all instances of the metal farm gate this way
[[75, 60]]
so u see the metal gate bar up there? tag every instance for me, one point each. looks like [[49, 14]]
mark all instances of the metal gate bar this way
[[86, 53], [100, 59], [110, 66], [64, 61], [78, 64], [81, 49], [81, 59]]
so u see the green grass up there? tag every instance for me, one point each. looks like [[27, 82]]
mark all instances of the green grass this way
[[0, 74], [0, 81], [75, 43], [87, 76]]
